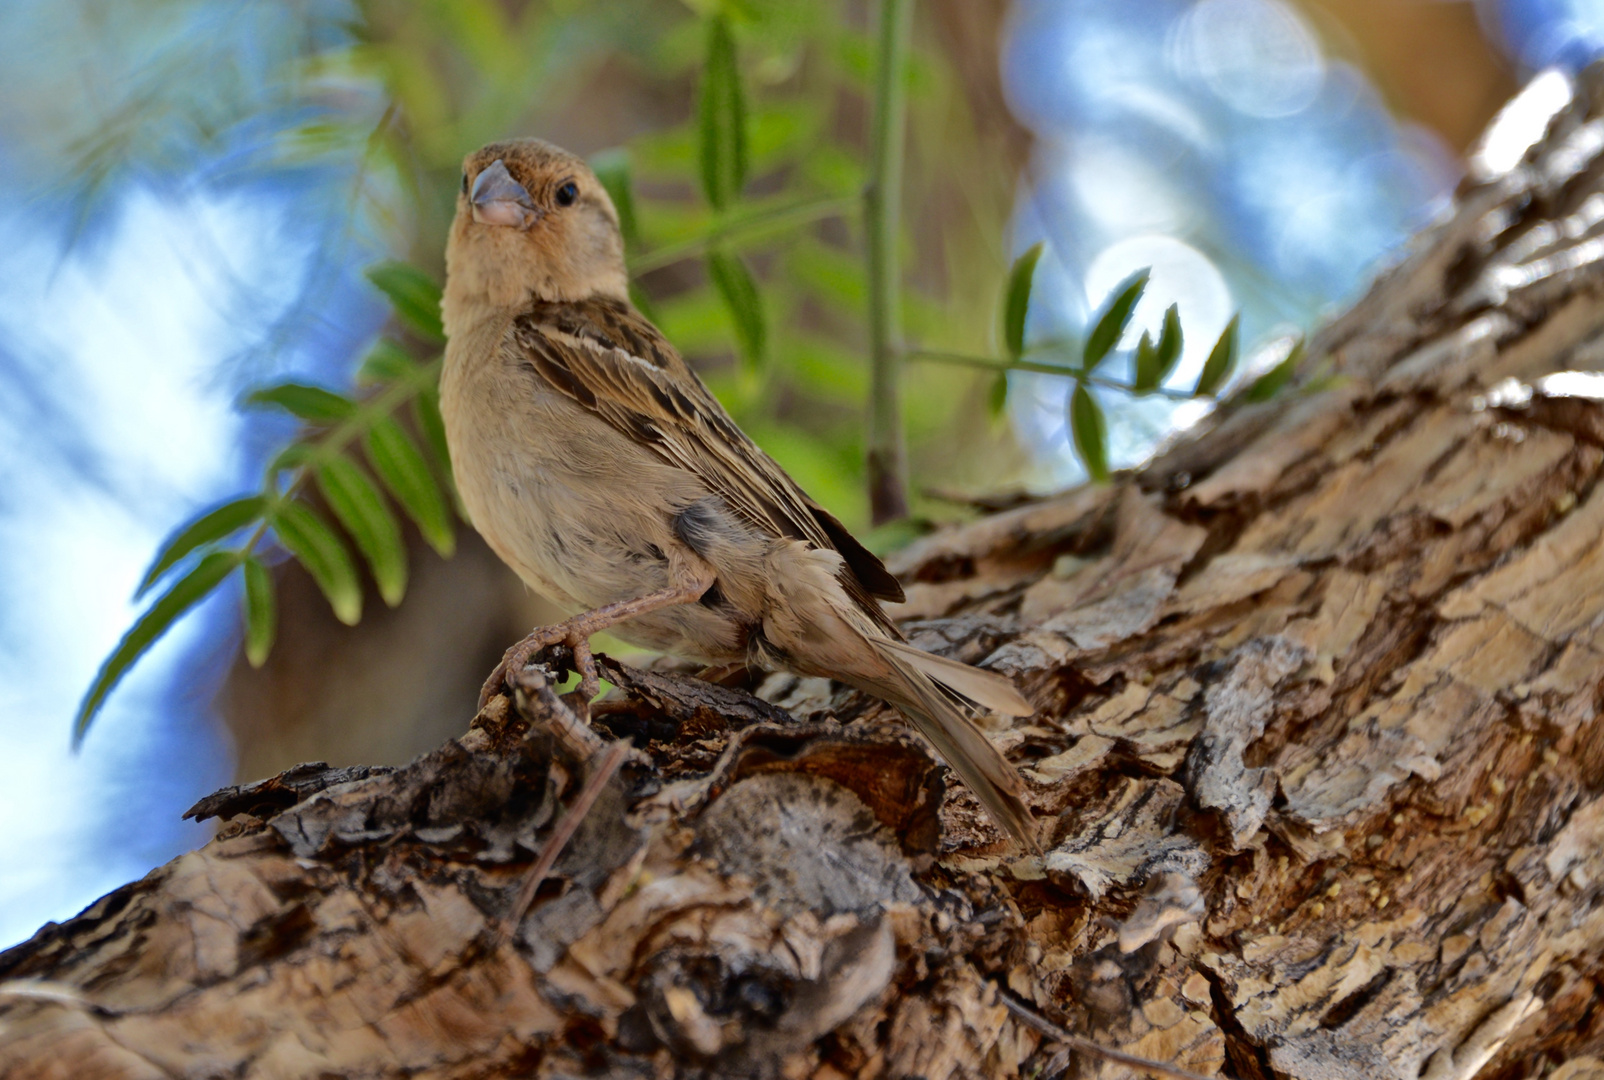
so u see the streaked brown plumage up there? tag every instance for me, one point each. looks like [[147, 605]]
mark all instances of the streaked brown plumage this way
[[595, 462]]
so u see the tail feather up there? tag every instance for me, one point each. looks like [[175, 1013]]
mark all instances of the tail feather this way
[[814, 628], [961, 744], [985, 688]]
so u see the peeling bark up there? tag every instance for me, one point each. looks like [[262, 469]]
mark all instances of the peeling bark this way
[[1318, 766]]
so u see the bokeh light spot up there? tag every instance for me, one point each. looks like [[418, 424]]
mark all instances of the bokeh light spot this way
[[1256, 55]]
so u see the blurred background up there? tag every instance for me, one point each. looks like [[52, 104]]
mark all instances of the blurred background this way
[[193, 188]]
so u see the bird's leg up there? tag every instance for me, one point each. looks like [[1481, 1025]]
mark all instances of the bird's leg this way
[[690, 583], [731, 674]]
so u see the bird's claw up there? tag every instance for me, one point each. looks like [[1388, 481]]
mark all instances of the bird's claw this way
[[515, 659]]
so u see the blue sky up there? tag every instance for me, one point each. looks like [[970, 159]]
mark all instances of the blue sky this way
[[129, 430]]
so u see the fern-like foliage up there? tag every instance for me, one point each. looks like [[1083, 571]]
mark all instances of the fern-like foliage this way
[[353, 451]]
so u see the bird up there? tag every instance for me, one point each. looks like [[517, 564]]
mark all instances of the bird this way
[[601, 469]]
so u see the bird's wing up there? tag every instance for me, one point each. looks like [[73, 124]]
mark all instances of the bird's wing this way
[[606, 357]]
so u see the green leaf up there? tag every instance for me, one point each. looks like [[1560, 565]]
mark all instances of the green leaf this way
[[204, 529], [1090, 430], [721, 119], [1147, 376], [185, 594], [1170, 340], [362, 510], [386, 362], [261, 611], [739, 292], [612, 169], [997, 396], [1016, 301], [1222, 359], [311, 403], [309, 538], [406, 476], [413, 294], [1155, 362], [1269, 384], [1111, 323]]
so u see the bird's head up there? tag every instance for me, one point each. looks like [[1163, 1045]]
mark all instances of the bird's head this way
[[533, 223]]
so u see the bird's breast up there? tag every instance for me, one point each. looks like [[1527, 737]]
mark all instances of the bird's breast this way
[[580, 512]]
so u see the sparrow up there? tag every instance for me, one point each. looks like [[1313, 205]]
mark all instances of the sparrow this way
[[598, 466]]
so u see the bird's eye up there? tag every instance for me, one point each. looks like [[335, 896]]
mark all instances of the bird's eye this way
[[567, 194], [465, 183]]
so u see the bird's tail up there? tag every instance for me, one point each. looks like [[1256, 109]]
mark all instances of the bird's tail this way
[[907, 677], [816, 629]]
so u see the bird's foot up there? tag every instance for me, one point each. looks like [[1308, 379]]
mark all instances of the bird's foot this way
[[574, 633]]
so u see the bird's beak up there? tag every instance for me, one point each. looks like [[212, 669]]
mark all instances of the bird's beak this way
[[498, 199]]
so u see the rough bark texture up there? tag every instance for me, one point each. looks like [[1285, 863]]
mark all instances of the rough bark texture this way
[[1318, 766]]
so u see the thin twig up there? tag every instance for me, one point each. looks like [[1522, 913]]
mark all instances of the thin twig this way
[[882, 221], [574, 733], [560, 835], [988, 363], [1036, 1020]]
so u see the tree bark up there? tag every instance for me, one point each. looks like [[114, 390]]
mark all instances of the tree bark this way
[[1318, 766]]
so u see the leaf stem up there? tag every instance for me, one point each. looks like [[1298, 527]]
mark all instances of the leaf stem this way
[[882, 214], [991, 364], [742, 229]]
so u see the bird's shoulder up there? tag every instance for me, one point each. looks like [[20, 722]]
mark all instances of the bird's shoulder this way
[[612, 360], [607, 325]]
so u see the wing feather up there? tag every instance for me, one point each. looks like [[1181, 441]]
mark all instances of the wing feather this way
[[610, 360]]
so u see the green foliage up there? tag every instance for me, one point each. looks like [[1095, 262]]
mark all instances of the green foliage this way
[[1109, 326], [188, 591], [1151, 362], [1016, 301], [321, 458], [261, 611], [414, 296], [721, 119], [310, 403], [405, 473], [426, 414], [310, 539], [734, 283], [1155, 362], [386, 362], [1090, 431], [1221, 362], [997, 396], [1269, 384], [207, 528], [362, 511]]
